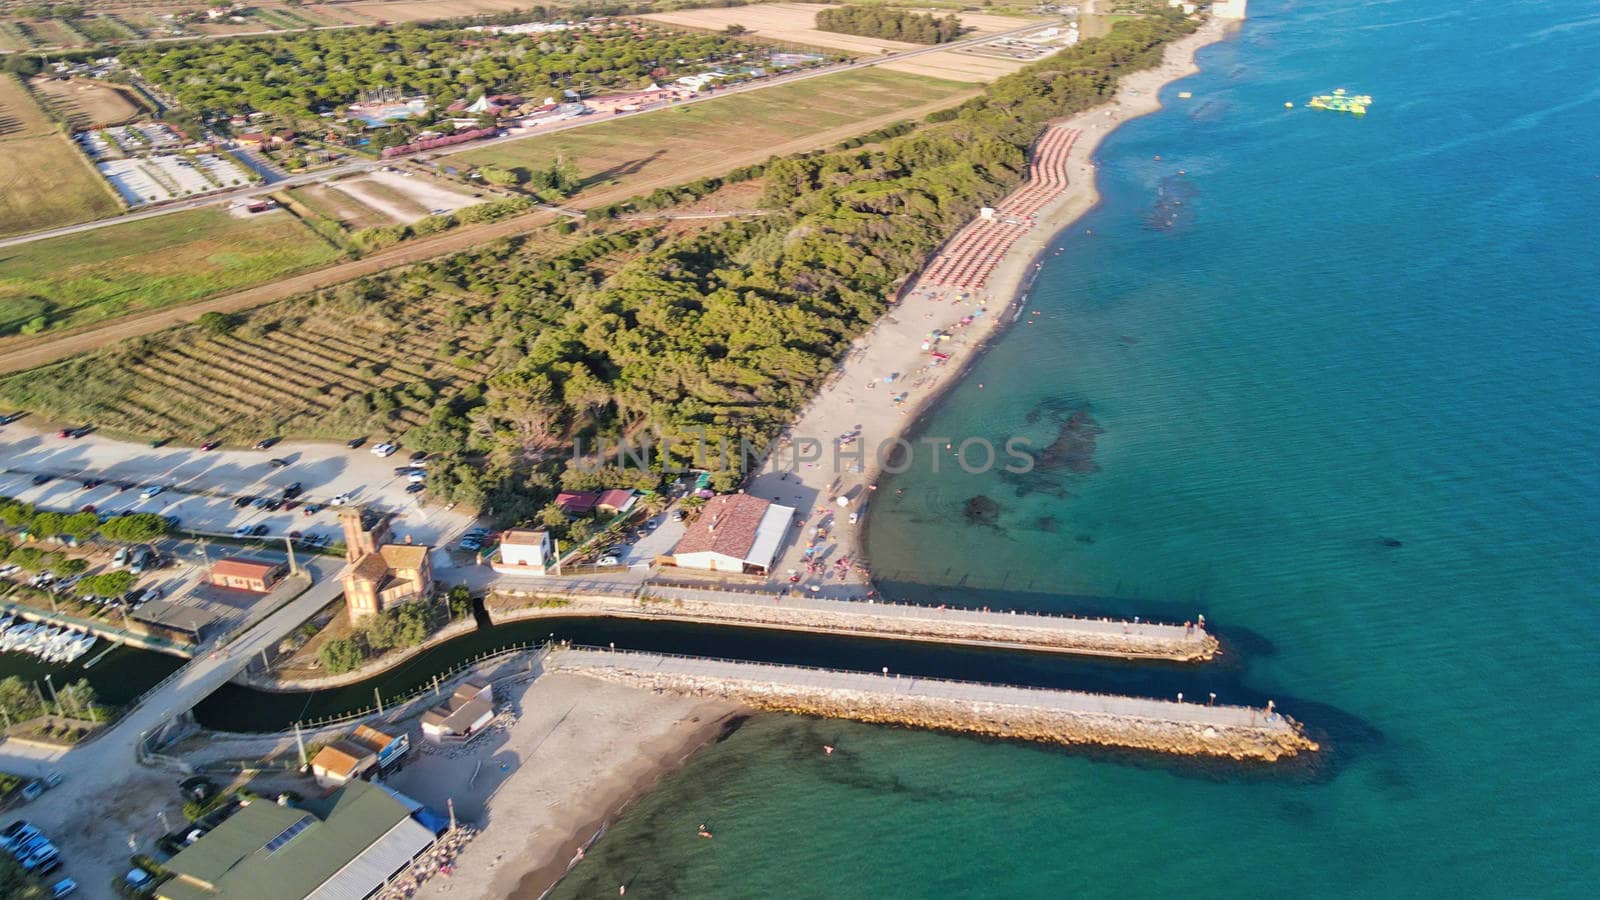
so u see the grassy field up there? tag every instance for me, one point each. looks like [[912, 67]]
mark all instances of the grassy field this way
[[681, 144], [312, 366], [45, 182], [90, 104], [83, 278]]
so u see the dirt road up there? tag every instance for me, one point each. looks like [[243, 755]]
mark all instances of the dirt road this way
[[16, 355], [19, 354]]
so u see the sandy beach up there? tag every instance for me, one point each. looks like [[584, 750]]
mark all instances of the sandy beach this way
[[576, 753], [886, 381]]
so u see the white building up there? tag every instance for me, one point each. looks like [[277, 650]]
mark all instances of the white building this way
[[735, 533], [524, 552]]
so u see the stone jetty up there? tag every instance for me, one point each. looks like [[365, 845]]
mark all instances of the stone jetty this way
[[868, 618], [1034, 714]]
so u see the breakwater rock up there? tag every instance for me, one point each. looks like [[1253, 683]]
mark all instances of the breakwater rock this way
[[1058, 717]]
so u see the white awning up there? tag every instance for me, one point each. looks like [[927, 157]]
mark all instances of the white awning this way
[[366, 873], [769, 536]]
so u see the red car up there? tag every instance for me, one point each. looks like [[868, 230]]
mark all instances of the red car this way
[[210, 445]]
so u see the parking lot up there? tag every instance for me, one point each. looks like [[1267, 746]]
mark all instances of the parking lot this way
[[201, 487]]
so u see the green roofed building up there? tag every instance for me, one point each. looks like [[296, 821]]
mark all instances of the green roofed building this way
[[340, 847]]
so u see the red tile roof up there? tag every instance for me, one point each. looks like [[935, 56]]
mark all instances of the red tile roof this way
[[577, 503], [727, 525], [233, 567]]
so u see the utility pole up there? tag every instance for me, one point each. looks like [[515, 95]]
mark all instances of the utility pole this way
[[301, 743], [379, 697], [294, 568], [57, 700]]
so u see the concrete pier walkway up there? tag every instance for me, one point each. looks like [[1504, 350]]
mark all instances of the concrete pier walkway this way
[[1066, 717], [801, 611]]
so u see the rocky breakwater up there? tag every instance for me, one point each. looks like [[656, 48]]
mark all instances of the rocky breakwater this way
[[865, 618], [1059, 717]]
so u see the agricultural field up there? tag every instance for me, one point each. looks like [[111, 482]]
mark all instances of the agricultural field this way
[[383, 198], [639, 153], [795, 23], [78, 279], [45, 181], [355, 357], [428, 10], [87, 104]]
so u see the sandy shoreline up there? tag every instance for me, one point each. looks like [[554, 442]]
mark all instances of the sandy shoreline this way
[[859, 398], [578, 754], [587, 774]]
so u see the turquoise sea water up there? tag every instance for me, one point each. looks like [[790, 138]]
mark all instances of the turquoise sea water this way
[[1350, 333]]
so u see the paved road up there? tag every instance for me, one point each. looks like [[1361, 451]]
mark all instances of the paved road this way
[[74, 814], [757, 85], [224, 196], [580, 122]]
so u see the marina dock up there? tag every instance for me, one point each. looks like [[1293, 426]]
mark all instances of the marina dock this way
[[1033, 714], [797, 611]]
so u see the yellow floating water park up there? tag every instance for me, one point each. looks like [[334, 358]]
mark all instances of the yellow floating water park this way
[[1340, 101]]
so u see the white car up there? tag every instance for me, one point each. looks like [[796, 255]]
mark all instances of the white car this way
[[9, 569], [151, 491], [385, 449], [342, 499], [608, 561], [417, 477], [121, 559]]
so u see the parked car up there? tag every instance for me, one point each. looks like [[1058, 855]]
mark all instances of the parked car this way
[[173, 522], [265, 443], [277, 463], [32, 790], [243, 531], [138, 878], [242, 502], [608, 561], [53, 779], [17, 834], [353, 443], [677, 515], [66, 887], [471, 544], [92, 483], [419, 457], [43, 860], [342, 499], [41, 478], [151, 491], [312, 509], [258, 531], [292, 491], [417, 477], [210, 445], [120, 559], [139, 560], [385, 449]]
